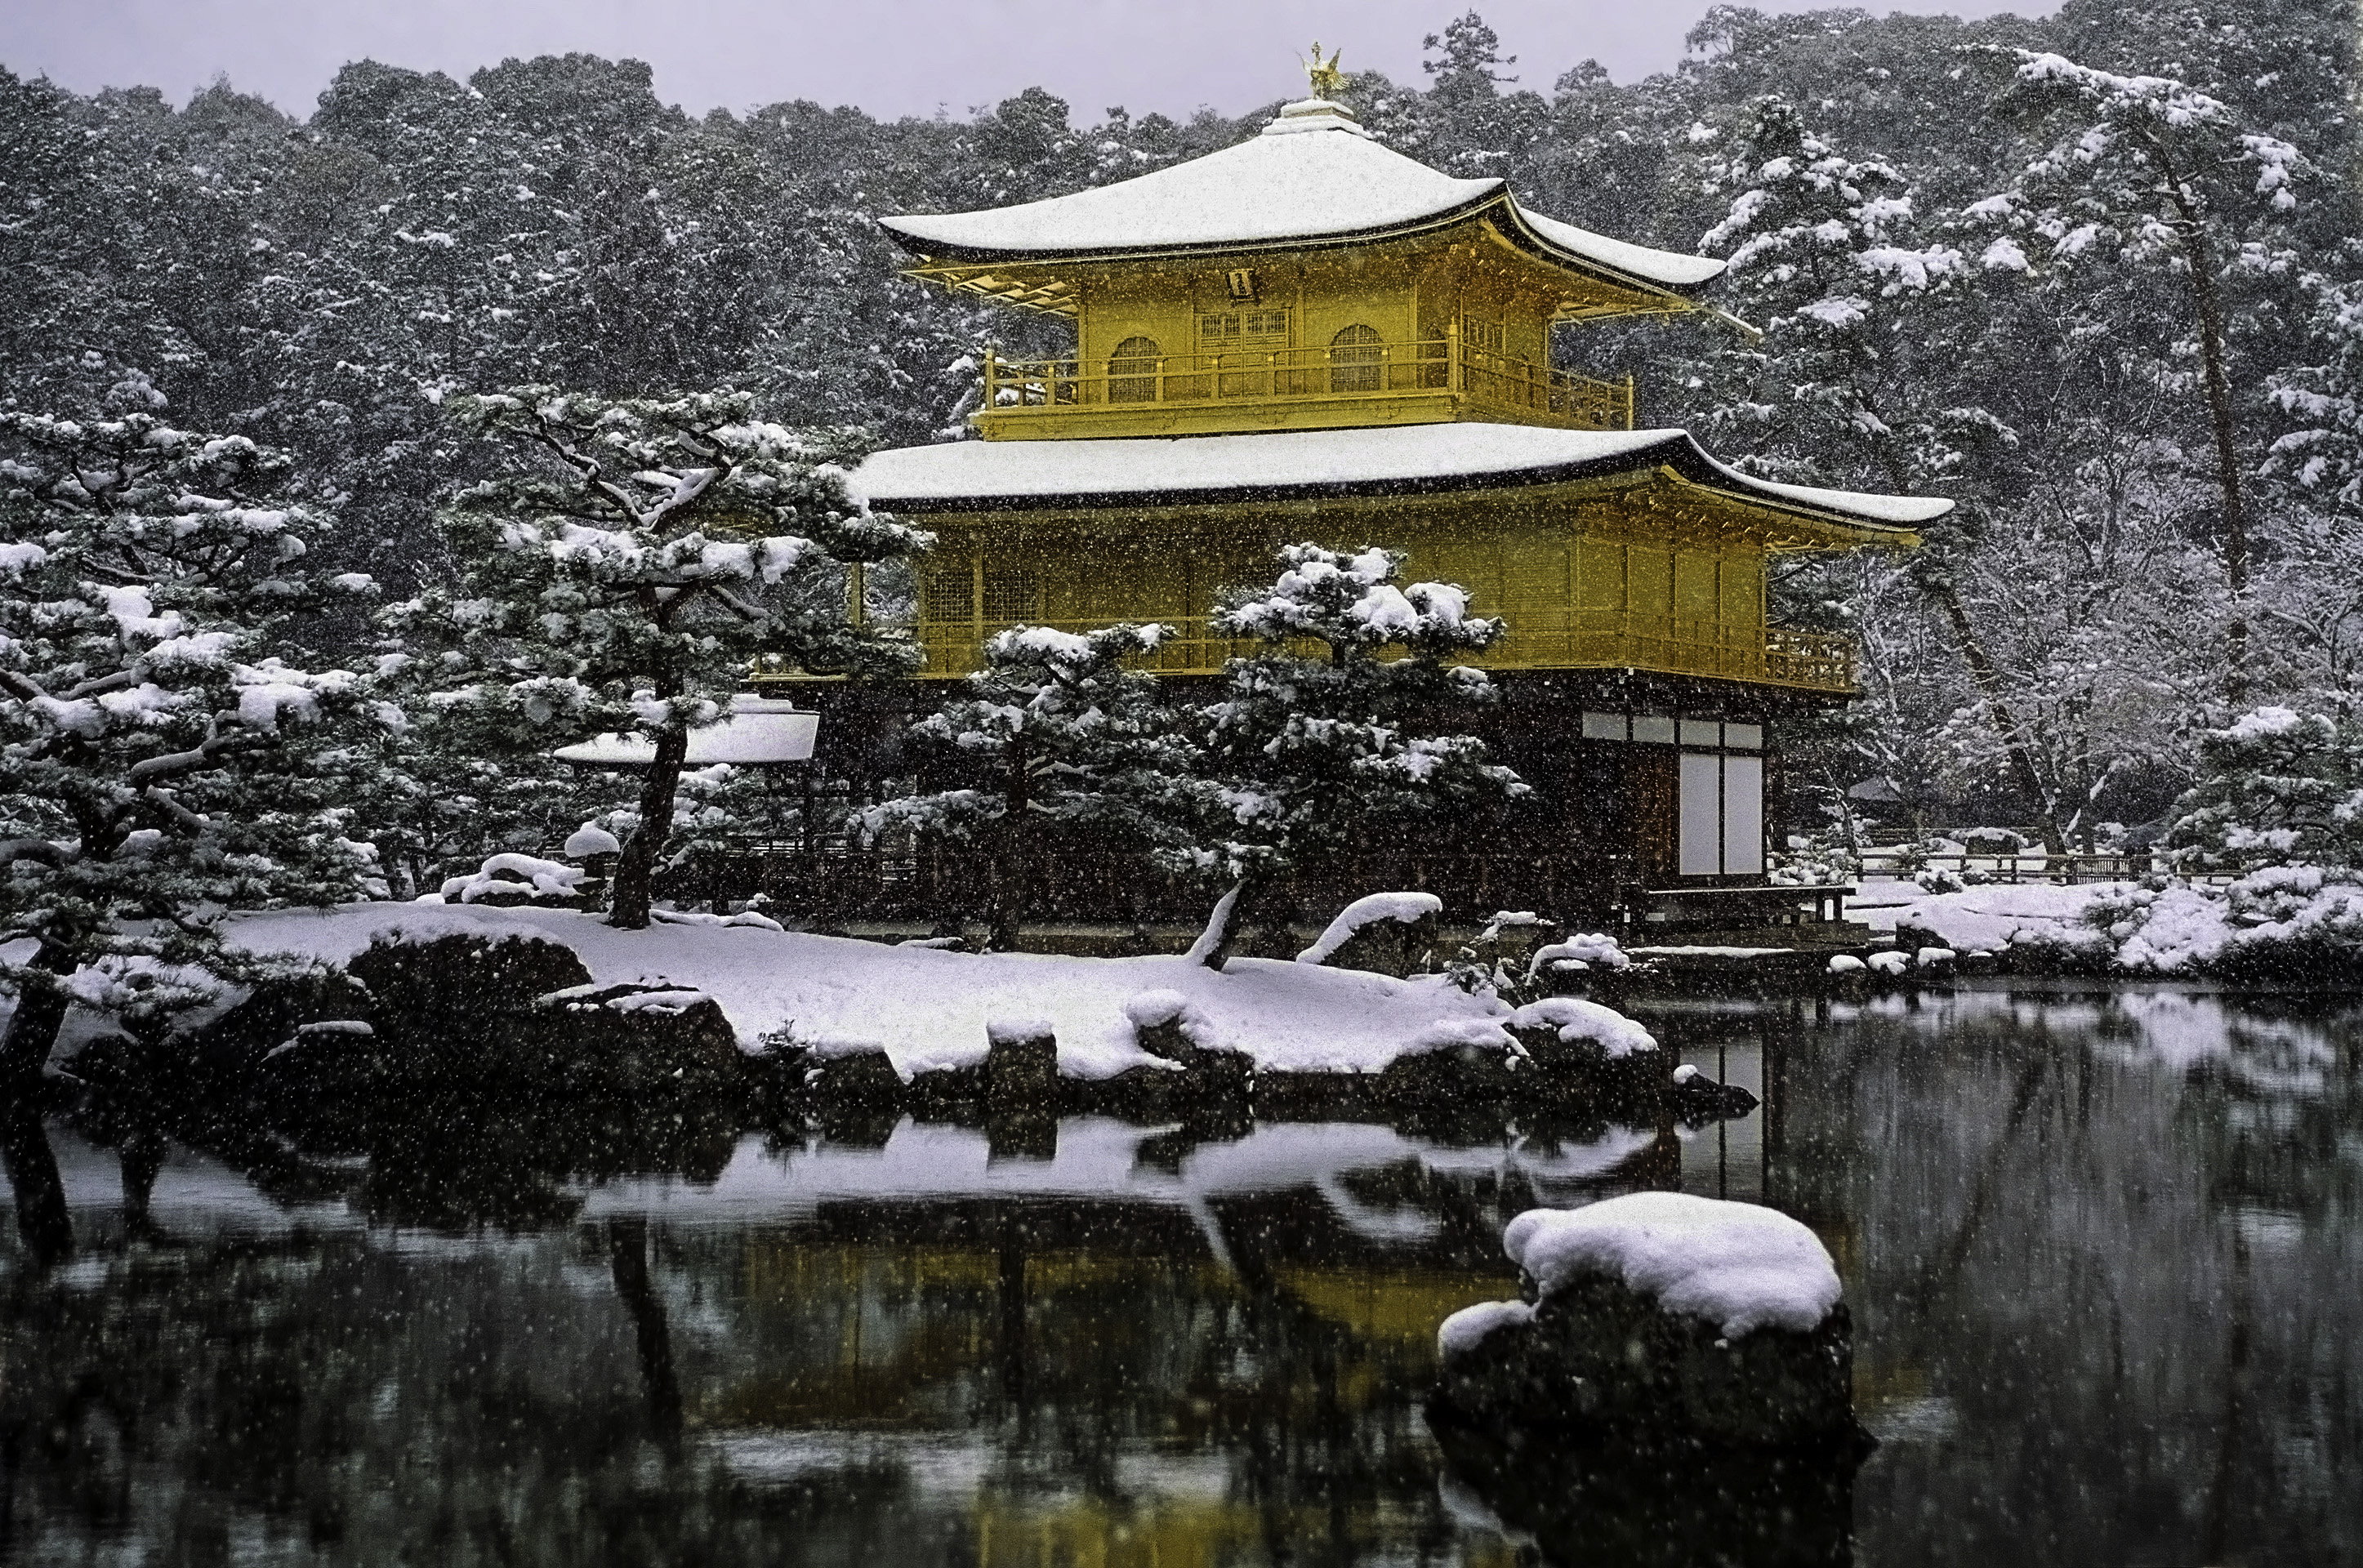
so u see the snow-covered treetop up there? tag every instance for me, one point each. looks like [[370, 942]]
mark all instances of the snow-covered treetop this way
[[2127, 145], [1303, 753], [1054, 728], [162, 752], [2276, 787], [1804, 212], [643, 553], [1352, 602]]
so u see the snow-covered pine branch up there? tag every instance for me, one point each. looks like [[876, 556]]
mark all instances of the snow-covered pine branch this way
[[162, 756], [1055, 741], [1302, 753], [630, 567]]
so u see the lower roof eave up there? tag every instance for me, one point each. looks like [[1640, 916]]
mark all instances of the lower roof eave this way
[[1460, 457]]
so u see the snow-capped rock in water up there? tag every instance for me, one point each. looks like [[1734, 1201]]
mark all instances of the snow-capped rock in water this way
[[1569, 1038], [1699, 1098], [1662, 1312]]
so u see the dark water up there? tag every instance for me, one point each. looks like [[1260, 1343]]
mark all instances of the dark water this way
[[2104, 1253]]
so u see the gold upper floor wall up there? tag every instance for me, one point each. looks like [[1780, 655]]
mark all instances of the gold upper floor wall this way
[[1456, 323]]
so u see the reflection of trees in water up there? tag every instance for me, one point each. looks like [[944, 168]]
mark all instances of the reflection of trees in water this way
[[2110, 1245], [488, 1375]]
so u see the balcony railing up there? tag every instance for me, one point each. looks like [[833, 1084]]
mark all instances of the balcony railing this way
[[1444, 370], [1571, 639]]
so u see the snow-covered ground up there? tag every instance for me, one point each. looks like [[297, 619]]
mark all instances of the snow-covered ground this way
[[2180, 929], [1991, 918], [930, 1009]]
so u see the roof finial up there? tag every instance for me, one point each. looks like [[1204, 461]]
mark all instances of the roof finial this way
[[1326, 79]]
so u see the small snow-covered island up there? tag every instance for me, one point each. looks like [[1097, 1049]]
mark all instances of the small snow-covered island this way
[[1303, 577]]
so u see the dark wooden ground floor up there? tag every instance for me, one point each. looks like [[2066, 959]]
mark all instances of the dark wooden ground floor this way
[[1652, 796]]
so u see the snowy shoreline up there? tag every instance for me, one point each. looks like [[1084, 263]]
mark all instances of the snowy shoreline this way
[[929, 1009]]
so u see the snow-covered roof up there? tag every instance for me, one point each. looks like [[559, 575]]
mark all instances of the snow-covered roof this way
[[756, 732], [1298, 464], [1312, 175]]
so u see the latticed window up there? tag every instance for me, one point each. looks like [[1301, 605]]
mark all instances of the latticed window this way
[[1484, 336], [1010, 597], [1242, 329], [1132, 371], [948, 596], [1354, 359]]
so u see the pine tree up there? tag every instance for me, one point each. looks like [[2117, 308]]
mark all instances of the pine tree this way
[[1059, 741], [163, 758], [2149, 172], [2277, 788], [628, 570], [1301, 755]]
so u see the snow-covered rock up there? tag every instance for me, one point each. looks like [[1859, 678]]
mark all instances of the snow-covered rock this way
[[1660, 1312], [1738, 1265], [1568, 1020], [515, 879], [1592, 951], [1386, 934], [591, 839]]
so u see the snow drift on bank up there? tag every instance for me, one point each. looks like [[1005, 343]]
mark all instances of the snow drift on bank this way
[[930, 1009], [2178, 929]]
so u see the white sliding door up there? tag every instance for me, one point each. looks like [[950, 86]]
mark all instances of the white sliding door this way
[[1743, 816], [1700, 853], [1722, 816]]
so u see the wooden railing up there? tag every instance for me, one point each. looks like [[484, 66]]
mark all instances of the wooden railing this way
[[1561, 639], [1016, 388], [2030, 864]]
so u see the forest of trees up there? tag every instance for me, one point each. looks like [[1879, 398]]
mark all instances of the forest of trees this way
[[2095, 276]]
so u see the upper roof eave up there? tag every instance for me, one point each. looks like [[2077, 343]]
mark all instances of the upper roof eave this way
[[1514, 226]]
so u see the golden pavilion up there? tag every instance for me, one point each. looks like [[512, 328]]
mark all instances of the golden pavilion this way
[[1311, 337]]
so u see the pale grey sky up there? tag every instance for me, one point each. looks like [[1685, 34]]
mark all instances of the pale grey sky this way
[[890, 56]]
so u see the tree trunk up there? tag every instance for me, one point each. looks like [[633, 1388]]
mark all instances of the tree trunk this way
[[636, 867], [43, 1217], [1989, 684], [1213, 947], [1009, 866], [2217, 379], [32, 1031]]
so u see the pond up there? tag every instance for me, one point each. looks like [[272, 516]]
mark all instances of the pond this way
[[2104, 1253]]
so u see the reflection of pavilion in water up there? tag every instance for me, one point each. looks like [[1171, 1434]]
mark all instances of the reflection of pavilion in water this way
[[2096, 1244], [1121, 1345]]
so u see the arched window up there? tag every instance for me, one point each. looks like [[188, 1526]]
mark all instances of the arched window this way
[[1132, 371], [1354, 360]]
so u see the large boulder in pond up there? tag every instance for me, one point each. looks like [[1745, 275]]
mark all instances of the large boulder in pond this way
[[477, 1012], [629, 1040], [1576, 1043], [1659, 1313], [452, 996]]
